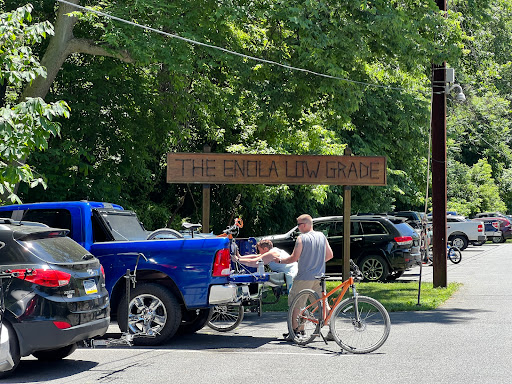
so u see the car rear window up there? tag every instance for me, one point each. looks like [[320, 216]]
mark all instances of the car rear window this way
[[124, 225], [405, 229], [55, 249]]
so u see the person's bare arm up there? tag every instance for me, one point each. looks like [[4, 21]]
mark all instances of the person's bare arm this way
[[295, 254], [252, 260], [328, 251]]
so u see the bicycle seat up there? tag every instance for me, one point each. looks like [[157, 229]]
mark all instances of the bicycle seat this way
[[190, 225], [323, 276]]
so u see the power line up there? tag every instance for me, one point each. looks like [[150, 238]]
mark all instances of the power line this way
[[254, 58]]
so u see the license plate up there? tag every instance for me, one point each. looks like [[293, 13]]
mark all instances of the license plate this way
[[90, 287], [497, 234]]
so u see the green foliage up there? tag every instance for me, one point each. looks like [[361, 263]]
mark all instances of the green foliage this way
[[479, 129], [178, 96], [25, 126], [472, 189]]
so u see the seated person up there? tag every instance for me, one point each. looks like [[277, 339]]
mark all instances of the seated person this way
[[271, 256]]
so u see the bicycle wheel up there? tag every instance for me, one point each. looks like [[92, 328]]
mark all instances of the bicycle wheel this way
[[454, 255], [365, 335], [225, 318], [304, 317]]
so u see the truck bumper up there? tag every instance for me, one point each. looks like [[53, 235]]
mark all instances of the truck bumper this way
[[482, 238], [222, 294]]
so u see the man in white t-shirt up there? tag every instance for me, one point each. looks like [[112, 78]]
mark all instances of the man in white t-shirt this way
[[271, 256]]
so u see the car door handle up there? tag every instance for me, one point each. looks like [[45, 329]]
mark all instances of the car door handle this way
[[357, 239]]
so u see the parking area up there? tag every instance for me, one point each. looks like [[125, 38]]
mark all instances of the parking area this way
[[466, 340]]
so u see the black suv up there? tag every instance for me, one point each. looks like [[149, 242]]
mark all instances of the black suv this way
[[383, 247], [54, 294]]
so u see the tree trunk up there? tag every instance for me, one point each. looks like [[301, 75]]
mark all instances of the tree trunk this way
[[61, 45], [56, 53]]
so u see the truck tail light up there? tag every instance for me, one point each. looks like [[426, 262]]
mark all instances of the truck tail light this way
[[44, 277], [480, 227], [222, 263], [403, 240], [496, 225], [102, 271]]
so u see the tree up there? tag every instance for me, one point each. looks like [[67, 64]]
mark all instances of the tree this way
[[27, 125], [168, 95]]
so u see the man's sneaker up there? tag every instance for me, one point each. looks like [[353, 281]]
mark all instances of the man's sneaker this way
[[289, 337]]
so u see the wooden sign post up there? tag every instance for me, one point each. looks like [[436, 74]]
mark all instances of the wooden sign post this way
[[226, 168]]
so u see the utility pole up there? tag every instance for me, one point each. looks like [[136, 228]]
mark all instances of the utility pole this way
[[439, 169]]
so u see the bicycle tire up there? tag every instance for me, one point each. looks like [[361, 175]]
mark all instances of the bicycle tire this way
[[364, 336], [224, 318], [454, 255], [304, 320]]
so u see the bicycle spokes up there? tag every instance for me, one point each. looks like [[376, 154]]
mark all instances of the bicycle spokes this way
[[360, 331]]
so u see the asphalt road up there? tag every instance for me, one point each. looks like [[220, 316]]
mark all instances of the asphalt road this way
[[467, 340]]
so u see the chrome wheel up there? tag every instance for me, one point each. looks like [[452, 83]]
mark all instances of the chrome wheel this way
[[147, 314]]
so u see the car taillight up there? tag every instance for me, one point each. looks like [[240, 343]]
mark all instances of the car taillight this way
[[222, 263], [496, 225], [480, 227], [403, 240], [102, 271], [62, 324], [44, 277]]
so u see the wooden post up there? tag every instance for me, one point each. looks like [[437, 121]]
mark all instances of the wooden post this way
[[206, 200], [347, 207], [439, 203]]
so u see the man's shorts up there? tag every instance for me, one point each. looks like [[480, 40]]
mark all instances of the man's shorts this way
[[299, 285]]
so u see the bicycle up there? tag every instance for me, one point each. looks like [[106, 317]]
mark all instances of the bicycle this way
[[358, 324], [452, 253]]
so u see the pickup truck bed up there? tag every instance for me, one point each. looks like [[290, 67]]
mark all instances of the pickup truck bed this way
[[178, 280]]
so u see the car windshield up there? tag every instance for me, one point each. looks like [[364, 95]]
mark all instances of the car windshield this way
[[59, 250], [124, 225]]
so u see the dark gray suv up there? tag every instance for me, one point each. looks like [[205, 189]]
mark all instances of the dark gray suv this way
[[53, 291], [383, 247]]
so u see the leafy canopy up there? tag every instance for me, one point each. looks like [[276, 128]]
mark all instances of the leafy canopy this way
[[24, 126]]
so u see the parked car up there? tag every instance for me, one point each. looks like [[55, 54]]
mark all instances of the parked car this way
[[382, 247], [505, 227], [56, 299], [461, 231], [413, 218], [492, 230], [489, 214]]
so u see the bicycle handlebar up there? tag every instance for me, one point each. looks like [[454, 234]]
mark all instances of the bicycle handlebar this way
[[355, 272]]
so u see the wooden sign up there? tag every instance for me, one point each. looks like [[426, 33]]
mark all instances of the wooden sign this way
[[224, 168]]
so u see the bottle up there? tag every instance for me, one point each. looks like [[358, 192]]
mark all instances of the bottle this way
[[261, 267]]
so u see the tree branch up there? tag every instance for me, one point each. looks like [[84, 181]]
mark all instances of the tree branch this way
[[89, 47]]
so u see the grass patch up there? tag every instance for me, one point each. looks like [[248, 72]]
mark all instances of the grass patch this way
[[395, 296]]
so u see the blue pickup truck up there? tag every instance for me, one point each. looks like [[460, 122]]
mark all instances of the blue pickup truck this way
[[178, 280]]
